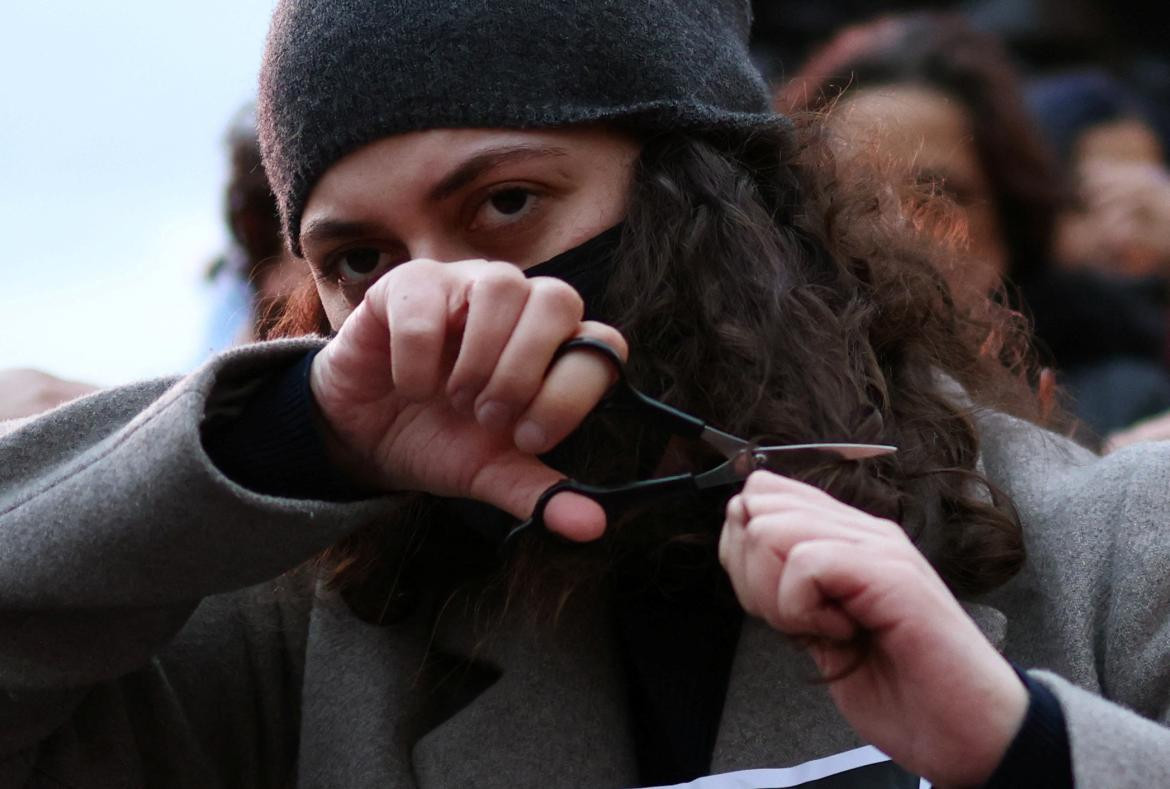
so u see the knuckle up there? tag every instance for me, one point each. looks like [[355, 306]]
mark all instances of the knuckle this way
[[560, 295], [498, 279], [801, 556], [768, 503], [736, 509], [759, 531], [419, 267], [759, 481]]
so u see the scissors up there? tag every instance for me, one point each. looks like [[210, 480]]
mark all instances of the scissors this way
[[742, 456]]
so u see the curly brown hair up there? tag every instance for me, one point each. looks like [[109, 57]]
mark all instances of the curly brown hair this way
[[780, 292]]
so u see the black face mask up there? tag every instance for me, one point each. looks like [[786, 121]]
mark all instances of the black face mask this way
[[588, 268]]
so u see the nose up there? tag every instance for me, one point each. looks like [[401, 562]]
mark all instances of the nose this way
[[442, 249]]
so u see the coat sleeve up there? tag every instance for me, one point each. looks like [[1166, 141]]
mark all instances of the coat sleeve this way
[[1110, 744], [126, 559], [1125, 742], [1090, 612]]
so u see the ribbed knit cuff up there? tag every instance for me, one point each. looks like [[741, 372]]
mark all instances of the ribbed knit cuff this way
[[1039, 755], [273, 446]]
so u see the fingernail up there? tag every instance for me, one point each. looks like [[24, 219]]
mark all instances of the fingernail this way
[[494, 416], [463, 401], [530, 437]]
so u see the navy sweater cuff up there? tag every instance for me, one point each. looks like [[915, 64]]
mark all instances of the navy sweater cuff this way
[[273, 446], [1039, 755]]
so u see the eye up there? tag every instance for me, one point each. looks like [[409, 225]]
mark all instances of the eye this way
[[361, 265], [510, 201], [505, 207]]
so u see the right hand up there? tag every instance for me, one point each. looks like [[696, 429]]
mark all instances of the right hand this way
[[442, 381]]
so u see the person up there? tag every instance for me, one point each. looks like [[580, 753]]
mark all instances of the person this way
[[1102, 131], [253, 278], [943, 102], [256, 274], [284, 568]]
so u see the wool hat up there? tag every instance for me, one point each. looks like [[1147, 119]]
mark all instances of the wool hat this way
[[339, 74]]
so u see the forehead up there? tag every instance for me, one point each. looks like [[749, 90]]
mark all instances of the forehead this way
[[408, 167], [911, 123]]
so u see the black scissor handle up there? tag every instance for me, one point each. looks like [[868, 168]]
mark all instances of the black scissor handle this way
[[624, 397], [614, 501]]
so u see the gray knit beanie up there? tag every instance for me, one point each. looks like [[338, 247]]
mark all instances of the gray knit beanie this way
[[339, 74]]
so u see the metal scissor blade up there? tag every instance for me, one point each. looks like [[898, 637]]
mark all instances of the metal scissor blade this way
[[733, 471], [846, 451], [738, 468]]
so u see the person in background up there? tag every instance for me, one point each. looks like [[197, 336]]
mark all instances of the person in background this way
[[253, 279], [944, 104], [256, 274], [1122, 224]]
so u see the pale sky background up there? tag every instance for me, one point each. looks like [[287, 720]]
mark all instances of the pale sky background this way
[[112, 164]]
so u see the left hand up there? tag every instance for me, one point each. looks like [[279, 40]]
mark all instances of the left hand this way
[[929, 690]]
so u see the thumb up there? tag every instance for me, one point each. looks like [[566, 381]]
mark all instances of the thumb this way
[[515, 481]]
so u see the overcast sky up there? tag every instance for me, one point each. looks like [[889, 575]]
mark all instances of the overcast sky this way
[[111, 166]]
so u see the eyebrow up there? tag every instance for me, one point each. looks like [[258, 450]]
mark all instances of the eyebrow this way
[[320, 231], [326, 230], [479, 164]]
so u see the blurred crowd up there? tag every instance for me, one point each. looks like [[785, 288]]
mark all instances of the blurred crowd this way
[[1044, 127], [1041, 126]]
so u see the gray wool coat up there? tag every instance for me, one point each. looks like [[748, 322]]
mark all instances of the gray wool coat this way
[[144, 642]]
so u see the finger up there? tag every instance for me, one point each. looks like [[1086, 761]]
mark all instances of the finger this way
[[495, 297], [762, 481], [515, 482], [416, 308], [802, 606], [733, 524], [734, 558], [761, 572], [808, 497], [787, 501], [874, 593], [765, 541], [802, 519], [551, 315], [573, 387], [779, 533], [575, 517]]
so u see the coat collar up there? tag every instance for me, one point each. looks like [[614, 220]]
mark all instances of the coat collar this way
[[557, 715]]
